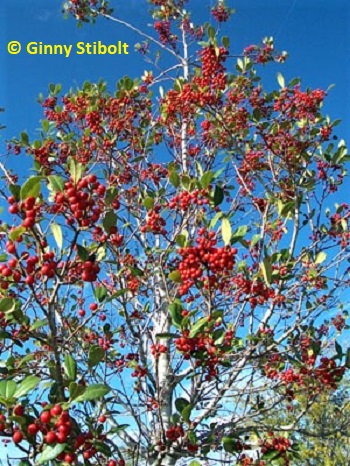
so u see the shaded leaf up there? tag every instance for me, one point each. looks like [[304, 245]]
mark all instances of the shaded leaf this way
[[96, 355]]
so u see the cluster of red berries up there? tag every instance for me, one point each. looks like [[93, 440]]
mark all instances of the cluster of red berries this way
[[185, 199], [174, 432], [27, 267], [157, 349], [197, 32], [264, 53], [90, 271], [26, 208], [82, 200], [213, 70], [221, 13], [164, 33], [255, 291], [280, 444], [203, 348], [204, 258], [338, 322], [154, 172], [154, 222], [297, 105]]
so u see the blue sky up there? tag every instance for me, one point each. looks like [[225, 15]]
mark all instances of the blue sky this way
[[316, 33]]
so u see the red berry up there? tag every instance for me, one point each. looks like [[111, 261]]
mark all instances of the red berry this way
[[32, 429], [17, 437], [56, 410], [18, 410], [45, 417], [51, 437]]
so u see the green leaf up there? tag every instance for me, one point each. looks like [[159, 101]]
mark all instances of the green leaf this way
[[7, 304], [226, 231], [339, 350], [31, 188], [96, 355], [136, 272], [15, 190], [148, 203], [181, 404], [75, 390], [38, 324], [27, 385], [321, 257], [174, 178], [194, 463], [57, 234], [50, 453], [24, 138], [181, 240], [70, 367], [218, 195], [280, 80], [16, 233], [206, 179], [215, 219], [75, 170], [198, 326], [241, 232], [82, 253], [270, 455], [229, 444], [56, 183], [175, 310], [109, 221], [175, 276], [186, 413], [226, 42], [347, 360], [100, 293], [94, 392], [7, 389], [266, 268]]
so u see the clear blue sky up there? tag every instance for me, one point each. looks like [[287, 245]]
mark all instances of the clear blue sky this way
[[316, 33]]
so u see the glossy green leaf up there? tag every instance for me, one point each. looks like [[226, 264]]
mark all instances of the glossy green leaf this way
[[50, 453], [31, 188], [110, 220], [75, 170], [100, 293], [56, 183], [181, 404], [218, 195], [96, 355], [70, 367], [198, 326], [26, 386], [7, 389], [94, 392]]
